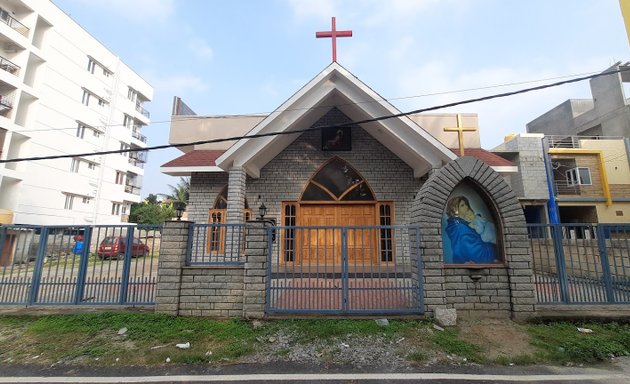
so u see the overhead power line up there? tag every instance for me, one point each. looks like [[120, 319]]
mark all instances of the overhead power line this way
[[341, 125], [263, 114]]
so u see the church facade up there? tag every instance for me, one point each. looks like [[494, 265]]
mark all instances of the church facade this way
[[341, 172]]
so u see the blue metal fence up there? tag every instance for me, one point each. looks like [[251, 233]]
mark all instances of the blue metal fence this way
[[221, 244], [581, 263], [75, 265], [353, 270]]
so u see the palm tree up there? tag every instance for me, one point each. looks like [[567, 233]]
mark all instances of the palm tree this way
[[181, 192]]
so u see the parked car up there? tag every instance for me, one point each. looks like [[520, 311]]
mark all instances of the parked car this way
[[115, 246]]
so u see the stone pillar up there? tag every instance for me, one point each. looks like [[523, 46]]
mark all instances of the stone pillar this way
[[235, 213], [236, 196], [256, 274], [173, 249]]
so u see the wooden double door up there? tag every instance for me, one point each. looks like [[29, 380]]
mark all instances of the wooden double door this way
[[324, 246]]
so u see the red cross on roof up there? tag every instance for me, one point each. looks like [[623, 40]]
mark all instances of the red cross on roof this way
[[334, 33]]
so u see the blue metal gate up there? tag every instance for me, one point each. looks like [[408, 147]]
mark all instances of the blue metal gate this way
[[581, 263], [348, 270], [74, 265]]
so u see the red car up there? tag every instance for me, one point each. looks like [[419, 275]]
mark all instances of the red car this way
[[114, 247]]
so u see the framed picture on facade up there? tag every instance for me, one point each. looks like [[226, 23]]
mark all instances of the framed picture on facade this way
[[469, 230], [336, 139]]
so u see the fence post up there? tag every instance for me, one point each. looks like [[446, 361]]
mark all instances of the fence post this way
[[561, 266], [124, 284], [603, 257], [83, 263], [39, 265], [344, 268], [173, 251], [256, 272]]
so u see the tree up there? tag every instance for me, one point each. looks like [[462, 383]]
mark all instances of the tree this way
[[181, 192], [145, 213], [151, 199]]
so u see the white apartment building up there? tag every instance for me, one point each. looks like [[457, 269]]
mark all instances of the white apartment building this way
[[63, 92]]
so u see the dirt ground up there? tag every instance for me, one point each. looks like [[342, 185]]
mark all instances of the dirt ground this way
[[497, 337]]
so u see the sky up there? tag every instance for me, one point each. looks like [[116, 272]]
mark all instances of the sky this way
[[249, 56]]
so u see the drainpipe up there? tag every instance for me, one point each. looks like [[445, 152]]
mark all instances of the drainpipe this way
[[552, 206]]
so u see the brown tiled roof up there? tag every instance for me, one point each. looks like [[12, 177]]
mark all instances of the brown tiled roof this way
[[196, 158], [487, 157]]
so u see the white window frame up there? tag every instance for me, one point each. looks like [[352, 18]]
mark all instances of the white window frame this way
[[81, 131], [116, 209], [86, 200], [127, 121], [75, 165], [578, 175], [91, 65], [86, 97], [69, 202]]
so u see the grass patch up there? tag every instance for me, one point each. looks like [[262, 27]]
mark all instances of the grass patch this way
[[562, 343], [93, 339], [418, 356], [325, 329], [450, 343]]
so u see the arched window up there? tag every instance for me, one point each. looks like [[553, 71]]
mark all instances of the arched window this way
[[218, 215], [337, 181]]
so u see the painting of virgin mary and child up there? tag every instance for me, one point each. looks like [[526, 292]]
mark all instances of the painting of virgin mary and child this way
[[469, 232]]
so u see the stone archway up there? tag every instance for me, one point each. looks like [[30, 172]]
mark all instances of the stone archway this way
[[500, 290]]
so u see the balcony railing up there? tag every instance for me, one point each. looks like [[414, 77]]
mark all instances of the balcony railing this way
[[12, 22], [9, 66], [136, 134], [563, 188], [138, 158], [133, 189], [556, 141], [6, 102], [143, 111]]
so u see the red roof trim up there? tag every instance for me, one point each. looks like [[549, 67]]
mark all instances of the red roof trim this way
[[487, 157], [196, 158]]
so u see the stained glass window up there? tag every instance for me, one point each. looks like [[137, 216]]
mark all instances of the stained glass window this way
[[337, 181]]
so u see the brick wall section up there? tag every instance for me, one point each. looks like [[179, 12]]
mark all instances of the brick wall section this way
[[172, 260], [256, 274], [530, 182], [204, 189], [212, 291], [484, 291]]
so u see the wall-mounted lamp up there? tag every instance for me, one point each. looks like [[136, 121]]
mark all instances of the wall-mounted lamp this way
[[180, 207], [262, 211]]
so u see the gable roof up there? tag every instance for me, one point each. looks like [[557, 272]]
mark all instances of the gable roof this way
[[337, 87]]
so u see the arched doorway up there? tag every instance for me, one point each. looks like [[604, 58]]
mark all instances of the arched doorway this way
[[336, 196]]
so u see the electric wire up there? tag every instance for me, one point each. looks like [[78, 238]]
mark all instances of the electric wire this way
[[264, 114], [341, 125]]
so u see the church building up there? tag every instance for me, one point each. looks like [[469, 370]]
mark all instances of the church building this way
[[355, 188]]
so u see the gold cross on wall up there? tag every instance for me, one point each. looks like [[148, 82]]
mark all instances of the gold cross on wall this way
[[460, 133]]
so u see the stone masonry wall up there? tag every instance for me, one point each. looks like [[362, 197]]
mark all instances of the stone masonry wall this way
[[204, 189], [212, 291], [476, 290], [220, 291], [284, 177]]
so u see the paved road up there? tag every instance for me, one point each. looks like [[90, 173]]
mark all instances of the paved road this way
[[618, 373]]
